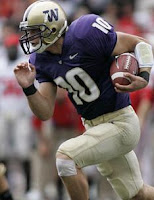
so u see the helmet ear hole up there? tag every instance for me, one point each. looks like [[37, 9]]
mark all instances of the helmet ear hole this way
[[54, 30]]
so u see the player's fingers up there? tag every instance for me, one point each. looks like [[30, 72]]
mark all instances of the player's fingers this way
[[130, 76], [121, 91], [118, 90], [16, 69], [22, 65], [123, 88], [32, 67]]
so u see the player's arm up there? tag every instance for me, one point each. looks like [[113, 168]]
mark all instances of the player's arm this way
[[144, 55], [41, 100]]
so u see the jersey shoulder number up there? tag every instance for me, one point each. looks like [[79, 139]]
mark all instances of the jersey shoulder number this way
[[102, 25]]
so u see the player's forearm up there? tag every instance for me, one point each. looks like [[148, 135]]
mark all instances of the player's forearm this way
[[41, 100], [40, 106], [126, 43]]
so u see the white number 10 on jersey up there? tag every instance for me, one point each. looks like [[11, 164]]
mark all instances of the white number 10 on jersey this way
[[102, 25]]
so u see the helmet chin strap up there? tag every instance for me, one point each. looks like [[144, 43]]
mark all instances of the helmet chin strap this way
[[39, 48]]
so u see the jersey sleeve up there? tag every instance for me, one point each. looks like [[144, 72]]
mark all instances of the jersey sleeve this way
[[96, 35], [39, 62]]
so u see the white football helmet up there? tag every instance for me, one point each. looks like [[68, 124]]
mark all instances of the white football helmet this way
[[47, 20]]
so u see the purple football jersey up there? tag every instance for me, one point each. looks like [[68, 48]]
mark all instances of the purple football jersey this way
[[83, 68]]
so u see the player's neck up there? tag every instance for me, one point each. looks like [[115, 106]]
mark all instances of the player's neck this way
[[56, 48]]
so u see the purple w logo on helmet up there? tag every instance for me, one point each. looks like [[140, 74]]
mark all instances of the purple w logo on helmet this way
[[50, 14]]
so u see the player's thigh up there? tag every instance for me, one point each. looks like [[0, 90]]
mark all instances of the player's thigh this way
[[102, 142], [123, 173]]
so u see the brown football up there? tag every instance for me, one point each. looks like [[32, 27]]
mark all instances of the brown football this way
[[125, 62]]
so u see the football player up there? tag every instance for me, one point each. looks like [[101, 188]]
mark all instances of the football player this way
[[78, 58]]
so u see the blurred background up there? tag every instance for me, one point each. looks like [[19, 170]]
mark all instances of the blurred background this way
[[28, 145]]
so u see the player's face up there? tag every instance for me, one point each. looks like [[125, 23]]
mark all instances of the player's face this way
[[34, 41]]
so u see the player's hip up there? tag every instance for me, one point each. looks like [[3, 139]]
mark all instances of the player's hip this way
[[105, 140], [119, 115]]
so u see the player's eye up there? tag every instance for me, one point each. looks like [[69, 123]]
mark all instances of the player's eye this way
[[32, 32]]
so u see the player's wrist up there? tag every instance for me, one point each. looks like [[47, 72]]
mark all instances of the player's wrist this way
[[30, 90], [145, 75]]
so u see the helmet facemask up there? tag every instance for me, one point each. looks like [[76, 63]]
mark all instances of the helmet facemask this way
[[26, 41]]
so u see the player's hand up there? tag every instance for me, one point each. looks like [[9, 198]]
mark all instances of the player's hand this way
[[25, 74], [137, 83]]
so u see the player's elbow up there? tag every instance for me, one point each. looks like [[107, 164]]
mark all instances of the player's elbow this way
[[44, 118], [141, 39]]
